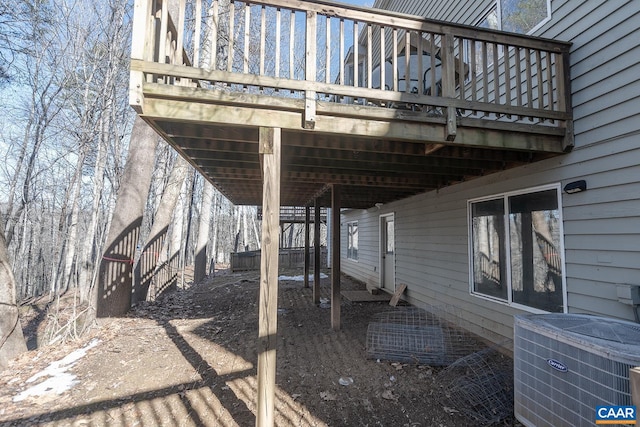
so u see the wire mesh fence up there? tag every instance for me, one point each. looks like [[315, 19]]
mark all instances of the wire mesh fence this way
[[429, 336], [480, 386]]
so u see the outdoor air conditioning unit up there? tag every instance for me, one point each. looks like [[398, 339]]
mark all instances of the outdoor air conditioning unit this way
[[567, 364]]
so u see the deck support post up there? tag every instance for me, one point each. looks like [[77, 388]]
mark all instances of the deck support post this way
[[139, 50], [335, 257], [316, 252], [307, 255], [270, 149]]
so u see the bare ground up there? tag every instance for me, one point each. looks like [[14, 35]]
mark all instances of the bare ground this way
[[189, 359]]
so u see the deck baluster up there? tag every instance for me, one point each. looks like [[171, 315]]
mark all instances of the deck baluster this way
[[213, 64], [539, 75], [507, 78], [232, 13], [327, 65], [550, 105], [292, 35], [528, 78], [448, 83], [394, 62]]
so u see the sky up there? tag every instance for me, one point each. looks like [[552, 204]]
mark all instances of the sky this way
[[364, 3]]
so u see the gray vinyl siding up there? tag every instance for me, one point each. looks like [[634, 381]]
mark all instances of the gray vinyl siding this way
[[462, 12], [601, 226]]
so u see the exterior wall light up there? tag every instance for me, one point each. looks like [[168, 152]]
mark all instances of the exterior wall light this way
[[575, 186]]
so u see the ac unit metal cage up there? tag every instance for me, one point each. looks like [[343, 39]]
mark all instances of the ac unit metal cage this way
[[567, 364]]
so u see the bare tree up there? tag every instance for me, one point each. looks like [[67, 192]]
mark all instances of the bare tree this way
[[201, 258], [113, 293], [69, 70], [11, 339]]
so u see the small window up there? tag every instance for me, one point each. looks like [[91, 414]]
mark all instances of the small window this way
[[516, 247], [523, 16], [516, 16], [352, 241], [490, 20]]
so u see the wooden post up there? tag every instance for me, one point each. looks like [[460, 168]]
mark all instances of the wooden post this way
[[307, 255], [563, 67], [270, 144], [449, 84], [634, 384], [335, 257], [309, 121], [140, 47], [316, 252]]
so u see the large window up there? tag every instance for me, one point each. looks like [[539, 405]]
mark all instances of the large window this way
[[516, 249], [352, 240], [517, 16]]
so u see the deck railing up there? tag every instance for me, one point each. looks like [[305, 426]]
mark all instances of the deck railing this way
[[320, 51]]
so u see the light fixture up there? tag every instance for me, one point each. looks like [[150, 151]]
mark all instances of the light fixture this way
[[575, 186]]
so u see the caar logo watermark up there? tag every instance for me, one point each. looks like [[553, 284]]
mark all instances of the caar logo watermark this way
[[615, 415]]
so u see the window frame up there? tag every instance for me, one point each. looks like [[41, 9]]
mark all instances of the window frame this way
[[352, 253], [507, 245]]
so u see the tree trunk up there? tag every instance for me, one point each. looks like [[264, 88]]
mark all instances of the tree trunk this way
[[113, 293], [216, 227], [200, 269], [245, 229], [11, 339], [188, 219], [72, 229], [255, 228], [291, 229], [175, 249], [237, 241], [147, 263], [88, 261]]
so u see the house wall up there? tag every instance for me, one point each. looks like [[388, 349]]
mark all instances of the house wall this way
[[459, 11], [601, 225]]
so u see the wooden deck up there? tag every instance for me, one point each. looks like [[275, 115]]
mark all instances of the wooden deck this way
[[208, 74], [299, 103]]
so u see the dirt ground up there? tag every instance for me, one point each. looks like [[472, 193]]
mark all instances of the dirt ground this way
[[189, 359]]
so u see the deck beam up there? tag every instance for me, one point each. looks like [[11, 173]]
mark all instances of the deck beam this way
[[232, 115]]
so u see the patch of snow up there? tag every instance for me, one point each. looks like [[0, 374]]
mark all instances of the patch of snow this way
[[300, 278], [59, 380]]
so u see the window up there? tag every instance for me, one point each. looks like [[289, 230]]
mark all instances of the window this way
[[517, 16], [516, 247], [490, 20], [523, 16], [352, 240]]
